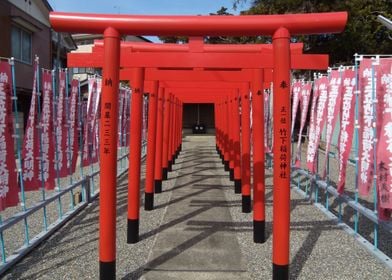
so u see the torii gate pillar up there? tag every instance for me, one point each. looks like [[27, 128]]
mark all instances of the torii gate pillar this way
[[108, 155], [281, 150]]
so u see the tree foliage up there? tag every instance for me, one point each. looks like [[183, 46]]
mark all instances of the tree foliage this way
[[362, 35]]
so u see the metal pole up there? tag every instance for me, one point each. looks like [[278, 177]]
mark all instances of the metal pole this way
[[57, 138], [18, 134]]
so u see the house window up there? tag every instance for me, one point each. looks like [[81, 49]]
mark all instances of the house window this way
[[21, 44]]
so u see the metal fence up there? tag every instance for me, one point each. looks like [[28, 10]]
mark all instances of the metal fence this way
[[41, 212], [357, 215]]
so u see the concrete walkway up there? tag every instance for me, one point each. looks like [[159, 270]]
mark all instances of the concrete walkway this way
[[197, 231], [197, 246]]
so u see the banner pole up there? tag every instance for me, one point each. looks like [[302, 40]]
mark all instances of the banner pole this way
[[57, 126], [375, 62], [89, 136], [40, 144], [67, 124], [80, 152], [356, 142], [18, 132]]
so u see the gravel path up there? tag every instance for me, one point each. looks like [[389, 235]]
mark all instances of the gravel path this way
[[319, 249]]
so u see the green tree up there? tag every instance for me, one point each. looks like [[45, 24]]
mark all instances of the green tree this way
[[363, 34]]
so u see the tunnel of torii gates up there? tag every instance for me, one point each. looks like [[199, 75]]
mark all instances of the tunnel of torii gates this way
[[280, 27]]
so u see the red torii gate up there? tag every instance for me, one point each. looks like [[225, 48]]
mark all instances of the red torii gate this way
[[258, 234], [232, 165], [281, 27], [259, 203]]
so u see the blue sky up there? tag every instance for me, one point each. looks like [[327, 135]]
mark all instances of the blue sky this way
[[172, 7], [152, 7]]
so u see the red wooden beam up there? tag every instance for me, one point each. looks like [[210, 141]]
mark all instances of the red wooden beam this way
[[196, 44], [193, 75], [315, 23], [198, 60]]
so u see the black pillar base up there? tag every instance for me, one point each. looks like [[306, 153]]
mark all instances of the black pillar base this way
[[227, 168], [133, 231], [231, 174], [237, 186], [148, 201], [246, 204], [158, 186], [173, 160], [107, 270], [258, 231], [164, 173], [169, 166], [280, 272]]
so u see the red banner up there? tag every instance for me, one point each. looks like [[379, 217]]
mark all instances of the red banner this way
[[72, 133], [347, 118], [30, 148], [296, 90], [87, 137], [46, 166], [334, 99], [319, 121], [121, 104], [305, 99], [8, 181], [267, 119], [127, 117], [144, 120], [367, 85], [61, 139], [313, 111], [95, 122], [384, 148]]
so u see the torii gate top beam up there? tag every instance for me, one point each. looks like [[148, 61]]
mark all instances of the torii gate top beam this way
[[315, 23], [197, 45]]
